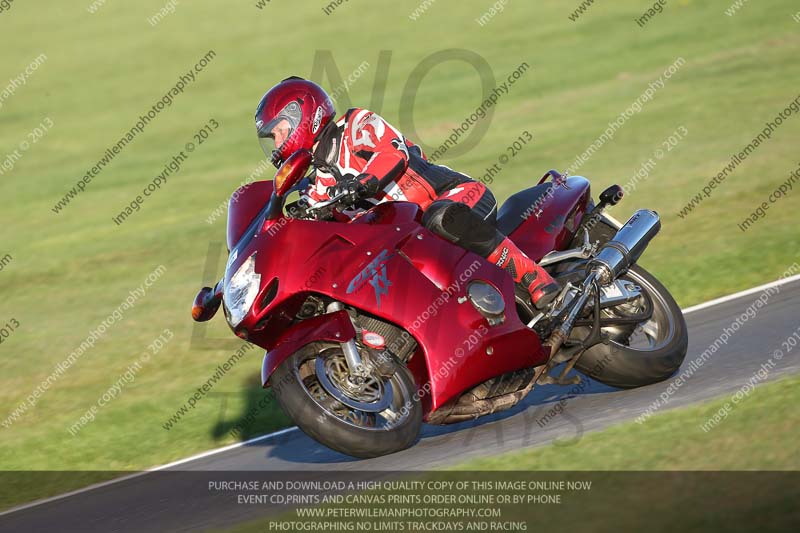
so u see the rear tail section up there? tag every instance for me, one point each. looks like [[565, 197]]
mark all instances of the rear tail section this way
[[545, 217]]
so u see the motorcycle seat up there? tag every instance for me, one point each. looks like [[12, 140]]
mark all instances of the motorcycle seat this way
[[518, 207]]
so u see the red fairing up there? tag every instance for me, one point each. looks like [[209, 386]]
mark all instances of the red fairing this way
[[386, 264], [387, 214], [333, 328], [555, 226], [245, 203]]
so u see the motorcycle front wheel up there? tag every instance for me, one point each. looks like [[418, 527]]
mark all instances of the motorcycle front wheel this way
[[375, 417]]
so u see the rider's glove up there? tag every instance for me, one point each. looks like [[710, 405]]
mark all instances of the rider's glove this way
[[352, 188]]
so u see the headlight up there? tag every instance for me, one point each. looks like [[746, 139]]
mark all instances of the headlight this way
[[241, 291]]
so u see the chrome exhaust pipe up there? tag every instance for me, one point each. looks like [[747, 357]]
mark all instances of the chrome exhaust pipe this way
[[627, 246]]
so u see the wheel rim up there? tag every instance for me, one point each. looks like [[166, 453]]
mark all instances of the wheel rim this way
[[333, 369], [372, 394], [651, 334]]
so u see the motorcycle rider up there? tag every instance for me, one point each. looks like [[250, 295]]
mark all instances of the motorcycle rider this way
[[363, 157]]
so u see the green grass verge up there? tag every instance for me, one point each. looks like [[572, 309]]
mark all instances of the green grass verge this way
[[103, 70], [652, 473], [760, 433]]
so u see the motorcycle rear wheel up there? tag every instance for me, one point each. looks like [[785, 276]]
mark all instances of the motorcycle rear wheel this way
[[650, 352], [655, 350], [317, 412]]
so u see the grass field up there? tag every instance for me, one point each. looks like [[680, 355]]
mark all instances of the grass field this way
[[667, 464], [69, 271], [677, 441]]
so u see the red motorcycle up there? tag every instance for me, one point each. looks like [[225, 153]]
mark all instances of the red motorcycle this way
[[375, 324]]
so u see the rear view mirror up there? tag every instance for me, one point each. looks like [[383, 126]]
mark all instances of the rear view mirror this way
[[292, 171]]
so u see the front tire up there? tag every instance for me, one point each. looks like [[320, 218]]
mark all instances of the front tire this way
[[362, 434]]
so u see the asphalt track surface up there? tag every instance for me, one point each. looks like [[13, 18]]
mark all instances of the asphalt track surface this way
[[160, 501]]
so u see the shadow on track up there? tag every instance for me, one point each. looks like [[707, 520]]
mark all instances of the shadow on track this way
[[543, 405]]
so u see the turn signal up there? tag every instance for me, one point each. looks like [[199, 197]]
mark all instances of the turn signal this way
[[206, 303]]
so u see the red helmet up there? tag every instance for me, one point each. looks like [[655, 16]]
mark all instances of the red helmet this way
[[295, 111]]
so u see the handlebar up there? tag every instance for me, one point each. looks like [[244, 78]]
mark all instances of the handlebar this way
[[326, 203]]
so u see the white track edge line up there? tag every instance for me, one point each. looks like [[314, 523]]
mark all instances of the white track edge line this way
[[223, 449], [740, 294], [208, 453], [148, 471]]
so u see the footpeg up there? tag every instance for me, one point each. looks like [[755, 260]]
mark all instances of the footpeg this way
[[546, 295]]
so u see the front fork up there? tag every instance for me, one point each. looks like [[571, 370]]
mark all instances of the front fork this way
[[354, 362]]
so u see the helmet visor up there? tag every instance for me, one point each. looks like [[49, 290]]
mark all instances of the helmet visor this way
[[274, 134]]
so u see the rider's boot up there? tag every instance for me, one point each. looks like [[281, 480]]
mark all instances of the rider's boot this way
[[526, 273]]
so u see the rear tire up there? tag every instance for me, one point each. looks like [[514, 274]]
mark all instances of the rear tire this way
[[329, 422], [619, 365]]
